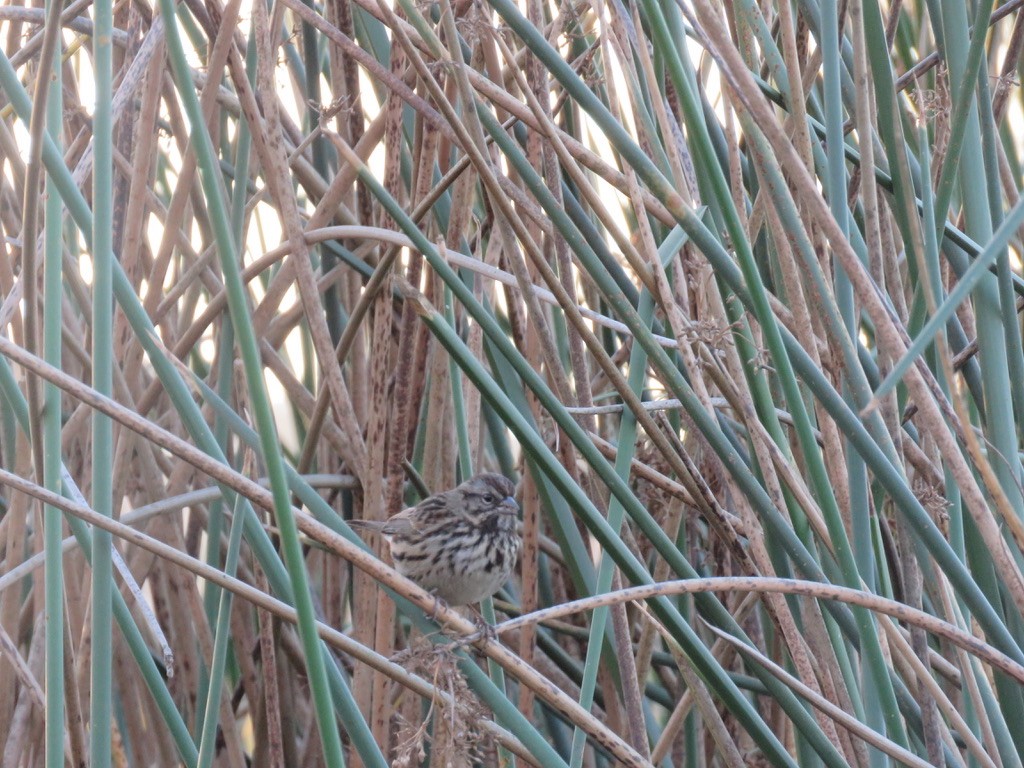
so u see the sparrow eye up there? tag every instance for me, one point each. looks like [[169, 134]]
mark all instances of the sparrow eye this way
[[488, 498]]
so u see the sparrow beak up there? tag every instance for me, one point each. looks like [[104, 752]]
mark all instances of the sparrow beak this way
[[508, 506]]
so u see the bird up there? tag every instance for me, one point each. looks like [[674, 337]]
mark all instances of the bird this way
[[461, 545]]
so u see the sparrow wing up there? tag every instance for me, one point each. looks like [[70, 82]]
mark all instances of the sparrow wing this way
[[368, 525], [409, 522], [401, 524]]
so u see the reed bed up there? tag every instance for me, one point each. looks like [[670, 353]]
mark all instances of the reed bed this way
[[730, 290]]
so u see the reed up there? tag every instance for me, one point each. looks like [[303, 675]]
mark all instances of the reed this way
[[730, 291]]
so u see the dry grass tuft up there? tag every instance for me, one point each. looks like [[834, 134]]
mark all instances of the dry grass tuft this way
[[453, 731]]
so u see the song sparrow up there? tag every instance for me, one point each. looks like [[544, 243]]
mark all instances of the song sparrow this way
[[461, 544]]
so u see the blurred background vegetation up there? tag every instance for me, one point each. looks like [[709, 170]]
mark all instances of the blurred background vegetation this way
[[731, 290]]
